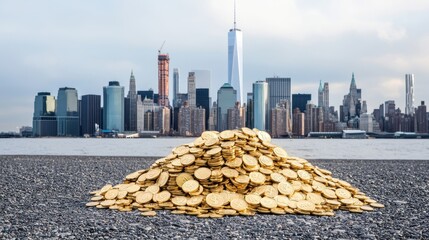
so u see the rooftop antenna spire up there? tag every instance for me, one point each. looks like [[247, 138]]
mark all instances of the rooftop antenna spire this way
[[235, 22]]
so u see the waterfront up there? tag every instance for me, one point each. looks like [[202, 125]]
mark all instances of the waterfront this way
[[401, 149]]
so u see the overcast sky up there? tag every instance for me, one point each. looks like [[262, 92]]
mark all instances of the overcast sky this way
[[45, 45]]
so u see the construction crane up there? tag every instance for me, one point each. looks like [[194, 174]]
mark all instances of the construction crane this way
[[159, 50]]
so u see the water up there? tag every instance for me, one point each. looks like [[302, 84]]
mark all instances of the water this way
[[404, 149]]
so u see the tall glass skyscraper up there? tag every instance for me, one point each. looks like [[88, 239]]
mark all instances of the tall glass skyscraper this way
[[163, 77], [90, 111], [235, 60], [260, 105], [409, 94], [176, 85], [44, 119], [113, 107], [67, 112], [226, 99]]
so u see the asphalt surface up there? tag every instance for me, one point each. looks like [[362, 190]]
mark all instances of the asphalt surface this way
[[45, 196]]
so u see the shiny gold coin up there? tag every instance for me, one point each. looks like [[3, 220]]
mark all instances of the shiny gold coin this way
[[182, 178], [282, 201], [229, 172], [277, 177], [366, 208], [92, 204], [227, 134], [195, 200], [203, 173], [376, 205], [305, 205], [253, 199], [104, 189], [248, 132], [214, 151], [190, 186], [347, 201], [214, 200], [163, 196], [144, 197], [149, 214], [265, 161], [264, 136], [243, 179], [187, 159], [269, 203], [107, 203], [257, 178], [133, 175], [207, 135], [279, 152], [211, 141], [163, 179], [153, 173], [328, 193], [238, 204], [179, 200], [315, 198], [285, 188], [154, 189], [97, 198], [133, 188], [249, 160], [270, 191], [304, 175], [343, 193], [289, 173], [111, 194], [121, 194]]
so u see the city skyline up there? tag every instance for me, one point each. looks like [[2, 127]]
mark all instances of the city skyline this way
[[87, 46]]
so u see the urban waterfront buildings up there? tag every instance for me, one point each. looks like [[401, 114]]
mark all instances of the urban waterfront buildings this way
[[235, 60], [90, 114], [113, 107], [44, 119], [409, 94], [67, 112], [300, 100], [226, 99], [163, 79], [260, 105]]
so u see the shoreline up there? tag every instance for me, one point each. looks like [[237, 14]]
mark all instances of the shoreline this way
[[45, 197]]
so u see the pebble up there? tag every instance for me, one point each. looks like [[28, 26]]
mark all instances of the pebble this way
[[45, 196]]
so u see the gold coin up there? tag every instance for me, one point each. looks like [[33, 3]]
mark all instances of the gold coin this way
[[347, 201], [153, 173], [111, 194], [229, 172], [269, 203], [343, 193], [214, 151], [270, 191], [122, 194], [250, 160], [238, 204], [107, 203], [315, 198], [366, 208], [182, 178], [376, 205], [289, 173], [190, 186], [187, 159], [92, 204], [282, 201], [154, 189], [195, 200], [208, 135], [253, 199], [163, 196], [227, 134], [277, 177], [211, 141], [163, 179], [133, 175], [328, 193], [105, 189], [304, 175], [149, 214], [279, 152], [181, 150], [285, 188], [179, 200], [214, 200], [305, 205], [144, 197], [264, 136], [257, 177], [199, 142], [133, 188], [265, 161], [242, 179], [97, 198], [248, 132], [202, 173]]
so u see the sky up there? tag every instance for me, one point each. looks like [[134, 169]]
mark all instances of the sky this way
[[48, 44]]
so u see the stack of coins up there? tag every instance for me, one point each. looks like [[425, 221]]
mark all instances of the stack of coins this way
[[234, 172]]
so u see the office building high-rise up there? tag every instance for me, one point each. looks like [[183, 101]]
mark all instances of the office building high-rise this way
[[203, 101], [236, 116], [90, 114], [421, 119], [163, 77], [131, 106], [67, 112], [300, 101], [44, 119], [260, 105], [298, 123], [235, 59], [149, 94], [176, 85], [280, 123], [249, 111], [278, 89], [351, 102], [191, 90], [226, 99], [113, 107], [409, 94]]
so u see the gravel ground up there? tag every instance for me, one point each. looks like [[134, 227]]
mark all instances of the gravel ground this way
[[45, 196]]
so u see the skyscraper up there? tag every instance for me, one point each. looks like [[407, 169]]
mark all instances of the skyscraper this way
[[163, 76], [235, 59], [278, 89], [300, 101], [176, 85], [409, 94], [90, 112], [236, 116], [260, 105], [421, 119], [44, 119], [113, 107], [226, 99], [191, 90], [131, 110], [203, 101], [351, 102], [67, 112], [280, 123]]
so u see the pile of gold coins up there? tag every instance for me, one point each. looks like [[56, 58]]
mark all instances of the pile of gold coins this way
[[234, 172]]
